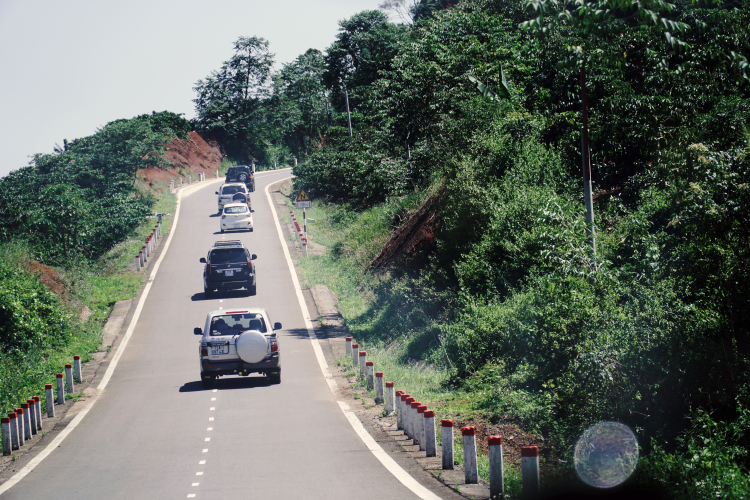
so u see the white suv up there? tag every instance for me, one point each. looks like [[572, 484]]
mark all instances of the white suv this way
[[239, 343], [234, 192]]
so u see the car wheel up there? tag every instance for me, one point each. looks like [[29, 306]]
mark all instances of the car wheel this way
[[222, 230], [207, 381], [274, 378], [207, 292], [251, 289]]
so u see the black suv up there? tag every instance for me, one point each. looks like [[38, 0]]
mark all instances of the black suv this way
[[241, 173], [228, 266]]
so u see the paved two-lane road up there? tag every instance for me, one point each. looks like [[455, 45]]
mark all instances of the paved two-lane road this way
[[154, 433]]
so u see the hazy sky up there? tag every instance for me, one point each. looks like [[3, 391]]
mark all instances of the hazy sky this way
[[69, 67]]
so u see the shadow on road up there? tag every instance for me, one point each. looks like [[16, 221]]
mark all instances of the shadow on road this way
[[227, 294], [229, 383]]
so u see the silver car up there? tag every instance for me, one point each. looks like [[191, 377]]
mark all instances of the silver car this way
[[239, 342], [232, 192]]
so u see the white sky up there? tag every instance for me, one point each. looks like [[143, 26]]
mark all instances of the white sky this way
[[69, 67]]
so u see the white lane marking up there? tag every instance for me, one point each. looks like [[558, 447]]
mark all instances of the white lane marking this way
[[214, 390], [202, 462], [198, 473], [213, 408], [210, 419], [210, 429], [205, 450], [112, 364], [385, 459], [213, 399], [207, 439], [191, 495], [195, 484], [305, 313]]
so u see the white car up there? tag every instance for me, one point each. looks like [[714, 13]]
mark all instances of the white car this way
[[239, 343], [236, 216], [228, 193]]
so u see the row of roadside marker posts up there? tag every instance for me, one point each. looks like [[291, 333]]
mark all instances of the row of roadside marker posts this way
[[418, 423], [23, 423], [301, 238], [201, 177], [149, 245]]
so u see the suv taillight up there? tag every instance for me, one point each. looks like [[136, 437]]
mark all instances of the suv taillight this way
[[208, 268], [204, 352], [223, 216], [274, 345]]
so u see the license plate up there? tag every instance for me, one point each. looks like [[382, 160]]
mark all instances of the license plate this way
[[236, 225], [228, 273], [219, 349]]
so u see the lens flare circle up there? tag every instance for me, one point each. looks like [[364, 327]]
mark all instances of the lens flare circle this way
[[606, 454]]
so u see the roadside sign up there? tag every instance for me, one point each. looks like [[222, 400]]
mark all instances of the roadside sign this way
[[303, 200]]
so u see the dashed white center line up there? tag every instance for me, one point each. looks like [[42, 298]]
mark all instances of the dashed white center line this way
[[205, 450], [195, 484], [202, 462], [210, 429], [208, 439], [213, 399], [199, 473], [215, 390], [191, 495], [210, 419], [212, 408]]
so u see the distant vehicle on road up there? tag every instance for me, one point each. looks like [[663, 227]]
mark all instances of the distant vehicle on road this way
[[243, 174], [228, 265], [236, 216], [227, 193], [239, 342]]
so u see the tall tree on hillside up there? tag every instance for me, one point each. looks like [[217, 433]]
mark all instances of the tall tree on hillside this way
[[365, 46], [228, 100]]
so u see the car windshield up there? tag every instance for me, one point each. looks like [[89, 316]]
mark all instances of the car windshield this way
[[228, 256], [232, 189], [235, 210], [234, 324]]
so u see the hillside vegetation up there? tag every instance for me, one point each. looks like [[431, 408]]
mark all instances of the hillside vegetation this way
[[479, 104]]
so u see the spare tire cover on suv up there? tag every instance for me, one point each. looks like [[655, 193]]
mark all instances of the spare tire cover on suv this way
[[252, 346]]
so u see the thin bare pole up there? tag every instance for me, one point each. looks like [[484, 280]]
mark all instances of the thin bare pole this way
[[586, 159]]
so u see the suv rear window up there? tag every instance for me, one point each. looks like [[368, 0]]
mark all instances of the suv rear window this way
[[232, 189], [233, 324], [228, 256]]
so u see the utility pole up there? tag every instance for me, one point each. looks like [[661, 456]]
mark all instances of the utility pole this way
[[328, 115], [586, 158], [348, 115]]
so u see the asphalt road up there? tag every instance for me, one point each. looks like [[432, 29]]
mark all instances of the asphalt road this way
[[155, 433]]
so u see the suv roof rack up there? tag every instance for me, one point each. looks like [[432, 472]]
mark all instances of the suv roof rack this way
[[227, 243]]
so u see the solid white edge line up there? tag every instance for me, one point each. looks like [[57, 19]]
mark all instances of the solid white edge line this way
[[372, 445], [18, 476]]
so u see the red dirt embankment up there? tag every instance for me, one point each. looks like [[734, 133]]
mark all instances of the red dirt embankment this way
[[197, 154]]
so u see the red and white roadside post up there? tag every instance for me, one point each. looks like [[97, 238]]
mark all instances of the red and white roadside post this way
[[348, 346], [471, 471], [38, 409], [19, 423], [400, 397], [413, 423], [77, 368], [13, 416], [355, 355], [390, 398], [530, 471], [407, 415], [420, 426], [446, 426], [362, 363], [430, 440], [370, 375], [379, 389], [50, 398], [69, 378], [60, 389], [26, 422], [5, 429], [137, 262], [32, 415], [497, 481]]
